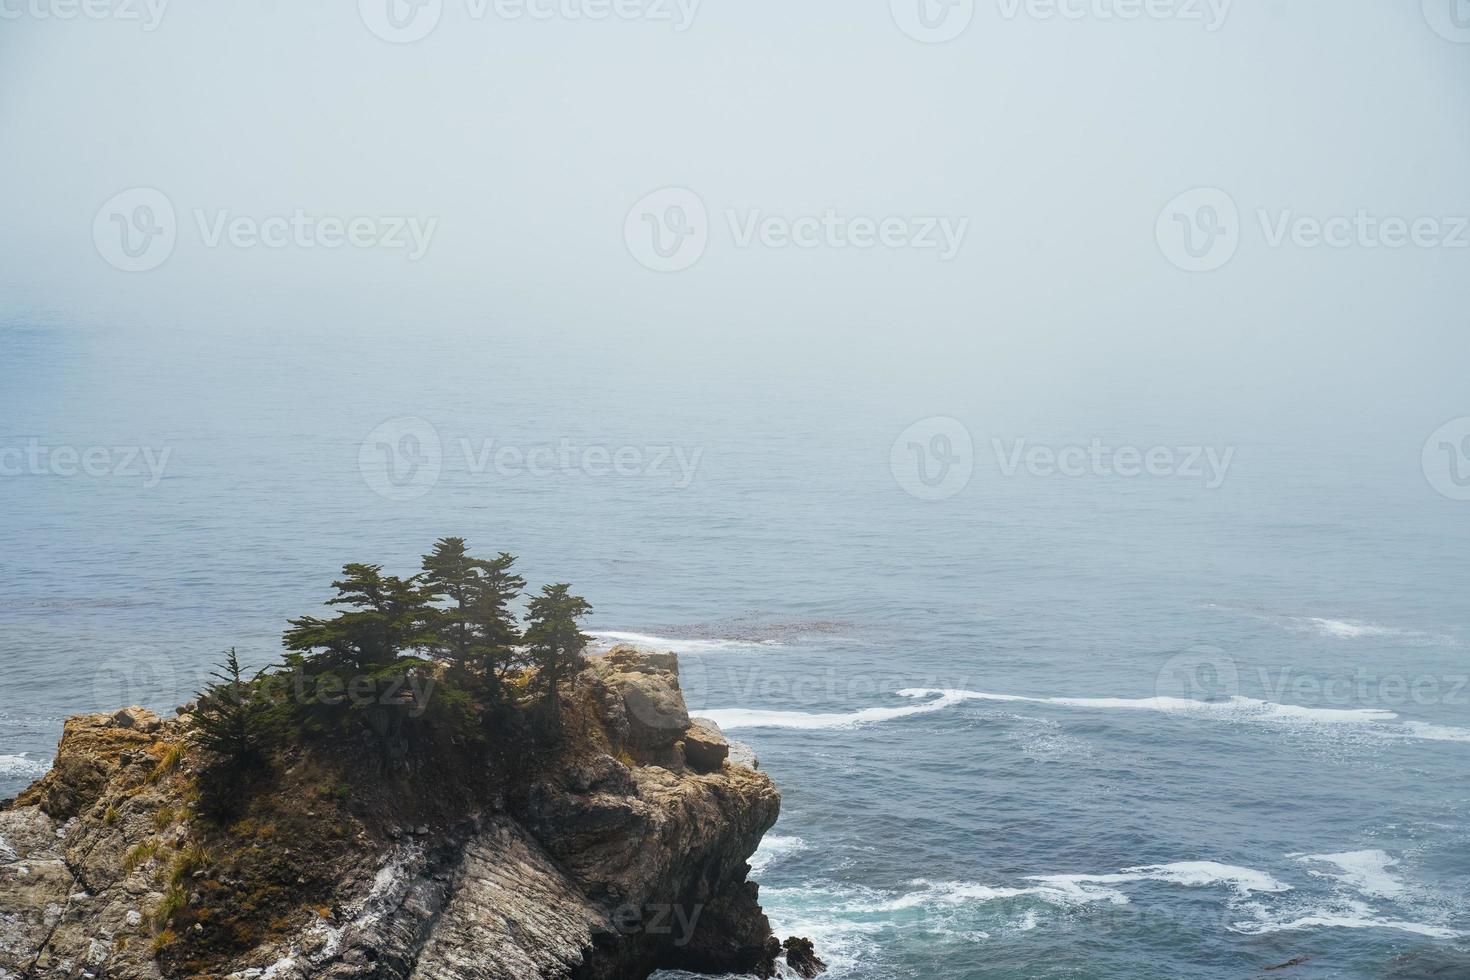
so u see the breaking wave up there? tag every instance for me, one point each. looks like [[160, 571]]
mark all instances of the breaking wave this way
[[731, 635], [1232, 709], [774, 849], [611, 638], [731, 718], [1236, 709]]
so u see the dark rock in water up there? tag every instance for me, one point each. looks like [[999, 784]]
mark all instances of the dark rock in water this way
[[802, 958], [1294, 961], [606, 860], [1431, 964], [705, 748]]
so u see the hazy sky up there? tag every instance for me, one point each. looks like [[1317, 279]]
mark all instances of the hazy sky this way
[[1046, 139]]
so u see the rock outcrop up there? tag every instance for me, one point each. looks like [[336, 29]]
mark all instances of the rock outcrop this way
[[705, 748], [802, 959], [623, 852]]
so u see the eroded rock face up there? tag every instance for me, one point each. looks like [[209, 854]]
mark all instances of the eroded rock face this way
[[97, 747], [75, 895], [617, 858], [642, 702]]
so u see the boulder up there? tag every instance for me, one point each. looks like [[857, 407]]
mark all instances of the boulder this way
[[743, 755], [705, 748], [139, 719]]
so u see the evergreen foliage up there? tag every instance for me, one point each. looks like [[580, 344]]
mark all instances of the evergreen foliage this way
[[387, 617], [434, 654], [231, 721], [554, 642], [475, 629]]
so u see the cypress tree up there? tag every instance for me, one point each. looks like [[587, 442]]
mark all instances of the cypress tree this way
[[387, 618], [554, 642], [475, 629], [497, 633]]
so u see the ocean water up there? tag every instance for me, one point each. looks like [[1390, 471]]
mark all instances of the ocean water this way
[[1045, 727]]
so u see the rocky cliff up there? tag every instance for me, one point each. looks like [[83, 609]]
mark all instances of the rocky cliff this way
[[621, 851]]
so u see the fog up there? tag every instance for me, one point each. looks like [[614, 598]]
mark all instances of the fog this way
[[499, 161]]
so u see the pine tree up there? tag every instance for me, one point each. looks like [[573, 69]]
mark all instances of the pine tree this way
[[475, 630], [497, 633], [387, 619], [554, 642], [232, 722], [451, 574]]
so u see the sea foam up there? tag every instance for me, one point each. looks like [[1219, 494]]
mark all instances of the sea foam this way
[[1344, 629], [611, 638], [1364, 871], [1350, 629], [1055, 890], [1356, 629], [1347, 915], [856, 919], [837, 919], [1190, 874], [730, 718], [773, 849], [1436, 733], [19, 765], [1236, 709]]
